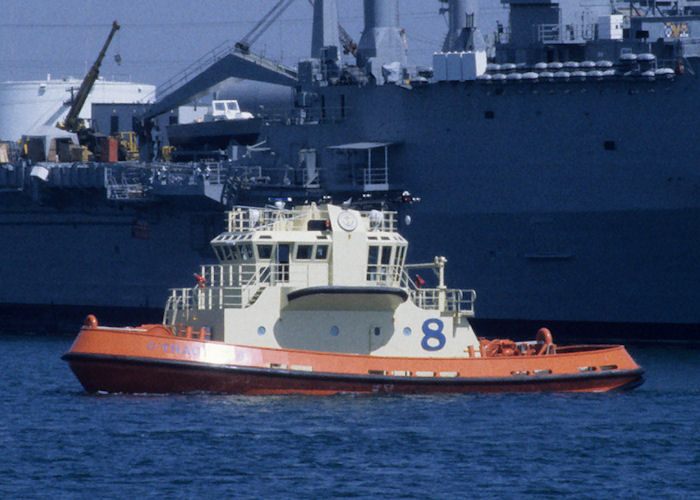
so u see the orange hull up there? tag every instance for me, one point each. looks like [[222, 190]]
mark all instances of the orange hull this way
[[150, 359]]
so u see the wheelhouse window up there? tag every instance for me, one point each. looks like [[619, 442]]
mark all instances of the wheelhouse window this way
[[231, 251], [304, 252], [398, 255], [246, 252], [386, 255], [228, 252], [380, 266], [321, 252], [372, 258], [219, 254], [264, 251]]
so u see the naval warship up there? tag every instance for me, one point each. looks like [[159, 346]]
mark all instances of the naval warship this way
[[553, 162]]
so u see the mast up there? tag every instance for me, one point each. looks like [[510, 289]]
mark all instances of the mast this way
[[325, 28]]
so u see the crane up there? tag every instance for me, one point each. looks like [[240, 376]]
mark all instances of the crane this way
[[73, 123], [349, 46], [244, 44]]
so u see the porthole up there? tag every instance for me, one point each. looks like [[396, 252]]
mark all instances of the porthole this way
[[334, 331], [261, 330]]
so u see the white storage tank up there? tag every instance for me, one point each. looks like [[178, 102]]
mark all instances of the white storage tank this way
[[34, 107]]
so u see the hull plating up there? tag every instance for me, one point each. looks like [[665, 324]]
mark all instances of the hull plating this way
[[572, 201], [162, 377], [147, 360]]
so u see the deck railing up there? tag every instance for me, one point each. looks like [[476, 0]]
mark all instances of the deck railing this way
[[178, 307], [564, 33], [230, 286], [458, 301], [239, 286], [384, 274], [244, 219]]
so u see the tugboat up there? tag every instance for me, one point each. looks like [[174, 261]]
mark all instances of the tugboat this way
[[318, 299]]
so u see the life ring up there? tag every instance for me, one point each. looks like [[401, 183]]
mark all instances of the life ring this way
[[544, 337]]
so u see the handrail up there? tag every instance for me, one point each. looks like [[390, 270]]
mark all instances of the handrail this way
[[180, 300], [237, 288], [384, 274], [460, 301], [243, 219], [209, 58], [241, 286], [562, 33]]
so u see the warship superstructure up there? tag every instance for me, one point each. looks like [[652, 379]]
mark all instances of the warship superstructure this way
[[555, 166]]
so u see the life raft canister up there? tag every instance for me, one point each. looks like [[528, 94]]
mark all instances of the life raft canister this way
[[500, 347]]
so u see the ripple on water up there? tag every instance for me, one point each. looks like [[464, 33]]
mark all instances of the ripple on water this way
[[65, 443]]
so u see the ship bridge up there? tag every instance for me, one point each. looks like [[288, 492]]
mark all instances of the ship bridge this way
[[313, 254]]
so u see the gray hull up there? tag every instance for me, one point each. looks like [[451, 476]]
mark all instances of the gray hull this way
[[98, 255], [572, 201]]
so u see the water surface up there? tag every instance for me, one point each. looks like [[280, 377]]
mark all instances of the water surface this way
[[60, 442]]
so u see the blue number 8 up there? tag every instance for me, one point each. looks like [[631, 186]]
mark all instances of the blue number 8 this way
[[433, 333]]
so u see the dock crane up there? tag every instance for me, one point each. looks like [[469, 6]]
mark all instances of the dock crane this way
[[73, 123], [244, 44]]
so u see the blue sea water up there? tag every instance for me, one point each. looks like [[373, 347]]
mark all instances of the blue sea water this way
[[59, 442]]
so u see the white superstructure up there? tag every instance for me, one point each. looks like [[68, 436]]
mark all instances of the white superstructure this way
[[323, 278]]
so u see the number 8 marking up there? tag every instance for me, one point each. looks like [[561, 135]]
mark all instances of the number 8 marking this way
[[433, 333]]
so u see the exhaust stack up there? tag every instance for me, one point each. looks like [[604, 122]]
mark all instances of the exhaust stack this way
[[463, 34], [325, 28], [382, 40]]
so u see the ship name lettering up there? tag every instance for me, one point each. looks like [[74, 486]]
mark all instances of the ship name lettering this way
[[173, 348]]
